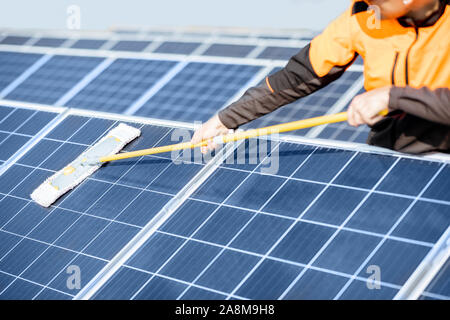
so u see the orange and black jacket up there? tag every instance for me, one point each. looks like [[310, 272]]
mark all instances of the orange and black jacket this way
[[411, 56]]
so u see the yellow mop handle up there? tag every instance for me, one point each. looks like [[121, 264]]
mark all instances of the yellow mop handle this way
[[289, 126]]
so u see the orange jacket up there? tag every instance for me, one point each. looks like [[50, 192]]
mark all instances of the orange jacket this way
[[412, 57], [394, 54]]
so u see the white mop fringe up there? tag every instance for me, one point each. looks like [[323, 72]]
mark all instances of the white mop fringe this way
[[46, 194]]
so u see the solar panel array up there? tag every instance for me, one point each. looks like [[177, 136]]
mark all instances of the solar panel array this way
[[242, 234], [48, 82], [304, 231], [18, 126]]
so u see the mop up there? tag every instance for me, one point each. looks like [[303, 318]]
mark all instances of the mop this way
[[107, 149], [74, 173]]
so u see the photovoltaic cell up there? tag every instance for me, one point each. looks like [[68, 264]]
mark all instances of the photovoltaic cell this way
[[177, 47], [18, 126], [49, 42], [129, 45], [246, 234], [88, 225], [228, 50], [15, 40], [55, 78], [13, 64], [314, 105], [119, 85], [88, 44], [278, 53], [198, 91]]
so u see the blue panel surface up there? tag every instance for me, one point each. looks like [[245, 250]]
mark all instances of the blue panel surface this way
[[55, 78], [177, 47], [198, 91], [300, 235], [49, 42], [228, 50], [129, 45], [119, 85], [87, 226], [88, 44], [278, 53], [13, 64], [15, 40], [18, 126]]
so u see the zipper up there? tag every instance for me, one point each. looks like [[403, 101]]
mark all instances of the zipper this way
[[407, 56], [393, 68]]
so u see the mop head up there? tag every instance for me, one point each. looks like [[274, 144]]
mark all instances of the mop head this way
[[73, 174]]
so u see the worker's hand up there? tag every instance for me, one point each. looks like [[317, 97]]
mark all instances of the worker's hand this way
[[365, 108], [210, 129]]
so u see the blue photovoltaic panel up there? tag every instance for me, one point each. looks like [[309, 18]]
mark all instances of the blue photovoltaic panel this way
[[88, 225], [13, 64], [49, 42], [15, 40], [198, 91], [177, 47], [228, 50], [278, 53], [88, 44], [314, 105], [305, 231], [55, 78], [119, 85], [18, 126], [128, 45]]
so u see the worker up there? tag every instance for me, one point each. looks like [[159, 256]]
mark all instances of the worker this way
[[405, 45]]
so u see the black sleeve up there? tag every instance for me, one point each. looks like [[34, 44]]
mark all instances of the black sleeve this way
[[432, 105], [296, 80]]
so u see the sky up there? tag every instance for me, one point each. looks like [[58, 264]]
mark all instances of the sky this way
[[103, 14]]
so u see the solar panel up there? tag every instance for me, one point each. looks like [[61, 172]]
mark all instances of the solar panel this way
[[295, 234], [13, 64], [177, 47], [15, 40], [228, 50], [314, 105], [278, 53], [119, 85], [129, 45], [198, 91], [88, 44], [55, 78], [49, 42], [87, 226], [18, 126]]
